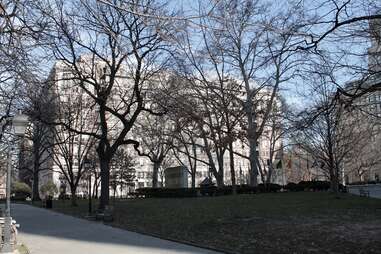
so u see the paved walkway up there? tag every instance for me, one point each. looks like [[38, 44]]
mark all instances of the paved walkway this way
[[47, 232]]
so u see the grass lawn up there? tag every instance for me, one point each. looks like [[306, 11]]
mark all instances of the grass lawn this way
[[301, 222]]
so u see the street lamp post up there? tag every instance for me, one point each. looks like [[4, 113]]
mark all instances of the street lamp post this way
[[19, 124]]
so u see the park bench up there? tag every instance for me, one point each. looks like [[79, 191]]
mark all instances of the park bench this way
[[107, 215], [363, 193]]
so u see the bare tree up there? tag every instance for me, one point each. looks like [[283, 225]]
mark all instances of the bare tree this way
[[70, 148], [341, 31], [275, 131], [35, 157], [331, 136], [210, 110], [156, 141], [17, 78], [113, 56], [122, 172], [206, 69], [257, 44], [13, 61], [298, 164], [185, 148]]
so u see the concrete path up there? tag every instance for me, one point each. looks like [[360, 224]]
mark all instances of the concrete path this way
[[47, 232]]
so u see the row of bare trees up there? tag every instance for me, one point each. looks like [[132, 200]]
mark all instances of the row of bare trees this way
[[181, 82]]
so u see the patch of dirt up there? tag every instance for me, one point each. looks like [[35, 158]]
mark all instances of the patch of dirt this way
[[304, 236]]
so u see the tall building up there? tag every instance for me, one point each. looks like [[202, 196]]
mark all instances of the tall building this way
[[365, 165]]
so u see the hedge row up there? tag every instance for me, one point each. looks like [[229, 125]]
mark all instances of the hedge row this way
[[308, 185], [228, 190], [241, 189], [166, 192], [311, 186], [204, 191]]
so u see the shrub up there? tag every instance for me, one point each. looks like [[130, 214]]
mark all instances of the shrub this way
[[241, 189], [317, 185], [208, 190], [63, 196], [314, 185], [167, 192], [305, 185], [246, 189], [293, 187], [321, 185], [20, 191], [309, 186], [270, 187], [49, 189], [227, 190], [273, 187]]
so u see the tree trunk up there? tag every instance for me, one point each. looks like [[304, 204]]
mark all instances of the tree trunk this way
[[194, 170], [156, 166], [232, 170], [193, 178], [270, 173], [73, 198], [251, 133], [95, 187], [261, 173], [219, 175], [36, 192], [331, 158], [105, 183], [334, 182], [219, 179]]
